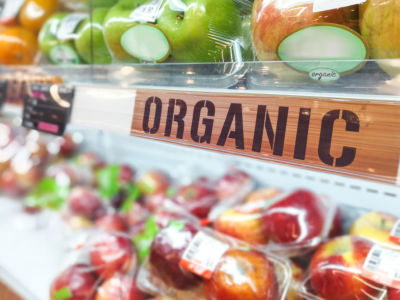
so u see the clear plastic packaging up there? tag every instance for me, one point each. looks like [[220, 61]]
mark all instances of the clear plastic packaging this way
[[104, 267], [325, 40], [291, 223], [178, 31], [350, 267], [189, 262]]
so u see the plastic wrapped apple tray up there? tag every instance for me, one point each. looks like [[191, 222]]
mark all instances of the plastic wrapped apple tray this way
[[190, 262]]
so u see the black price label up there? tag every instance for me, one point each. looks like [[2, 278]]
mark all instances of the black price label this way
[[3, 92], [47, 108]]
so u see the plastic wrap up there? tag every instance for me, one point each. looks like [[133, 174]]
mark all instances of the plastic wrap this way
[[103, 268], [350, 267], [292, 223], [188, 262], [325, 39], [178, 31]]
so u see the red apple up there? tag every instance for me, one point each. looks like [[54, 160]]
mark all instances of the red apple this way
[[393, 294], [120, 287], [67, 145], [126, 174], [197, 198], [241, 225], [77, 282], [112, 253], [243, 275], [111, 222], [298, 218], [153, 182], [274, 20], [335, 270], [85, 202], [232, 183], [155, 201], [166, 251], [136, 215]]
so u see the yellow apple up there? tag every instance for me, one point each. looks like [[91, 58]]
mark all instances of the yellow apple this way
[[380, 26], [374, 225]]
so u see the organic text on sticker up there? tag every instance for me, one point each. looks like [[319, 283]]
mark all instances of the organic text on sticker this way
[[324, 75], [203, 254], [383, 266], [395, 233]]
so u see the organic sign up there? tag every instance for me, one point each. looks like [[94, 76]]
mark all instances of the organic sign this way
[[353, 137]]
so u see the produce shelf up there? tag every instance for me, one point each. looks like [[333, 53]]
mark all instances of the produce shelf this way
[[298, 115]]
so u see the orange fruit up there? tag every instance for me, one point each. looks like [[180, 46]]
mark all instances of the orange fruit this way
[[18, 46], [34, 13]]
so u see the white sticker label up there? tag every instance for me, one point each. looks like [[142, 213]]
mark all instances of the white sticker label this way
[[203, 254], [322, 5], [68, 26], [383, 266], [10, 9], [395, 233], [147, 13]]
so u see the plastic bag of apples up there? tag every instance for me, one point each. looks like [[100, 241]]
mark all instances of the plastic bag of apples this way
[[191, 262], [103, 268], [290, 223]]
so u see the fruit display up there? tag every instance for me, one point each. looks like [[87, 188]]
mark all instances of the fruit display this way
[[148, 232]]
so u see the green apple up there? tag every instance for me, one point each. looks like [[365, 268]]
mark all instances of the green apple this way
[[380, 26], [58, 52], [116, 23], [84, 5], [201, 30], [90, 42]]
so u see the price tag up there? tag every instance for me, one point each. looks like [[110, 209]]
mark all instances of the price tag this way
[[323, 5], [69, 25], [383, 266], [203, 254], [3, 92], [395, 233], [48, 107], [147, 13], [10, 9]]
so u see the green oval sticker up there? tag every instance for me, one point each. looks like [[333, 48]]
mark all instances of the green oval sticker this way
[[63, 55], [324, 46]]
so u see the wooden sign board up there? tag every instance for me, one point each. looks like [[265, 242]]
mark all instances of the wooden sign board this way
[[358, 138]]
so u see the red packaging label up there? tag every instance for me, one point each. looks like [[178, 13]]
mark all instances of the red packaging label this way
[[395, 233], [383, 266], [203, 254]]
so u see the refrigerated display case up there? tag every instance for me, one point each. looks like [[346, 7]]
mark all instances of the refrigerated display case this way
[[271, 138]]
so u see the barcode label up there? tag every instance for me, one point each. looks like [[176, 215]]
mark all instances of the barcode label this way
[[68, 26], [147, 13], [203, 254], [323, 5], [395, 233], [383, 266]]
